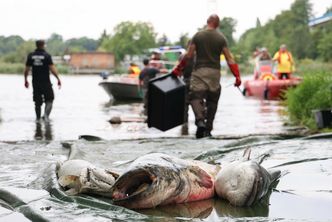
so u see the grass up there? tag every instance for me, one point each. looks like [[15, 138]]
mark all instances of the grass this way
[[18, 68], [313, 66], [62, 69], [315, 92], [9, 68]]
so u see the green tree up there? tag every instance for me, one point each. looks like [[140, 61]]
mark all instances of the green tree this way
[[289, 27], [82, 44], [258, 23], [55, 45], [227, 27], [325, 47], [20, 54], [300, 41], [129, 39], [10, 44], [321, 36], [183, 40], [102, 37], [163, 40]]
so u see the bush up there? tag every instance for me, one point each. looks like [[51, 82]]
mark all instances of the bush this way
[[62, 69], [315, 92], [310, 66], [8, 68], [120, 70], [18, 68]]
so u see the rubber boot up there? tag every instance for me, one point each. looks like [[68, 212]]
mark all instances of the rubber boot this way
[[38, 132], [48, 109], [38, 111], [211, 109], [201, 128]]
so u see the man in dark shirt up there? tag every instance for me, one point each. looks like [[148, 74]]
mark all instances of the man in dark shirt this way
[[205, 88], [146, 74], [41, 64]]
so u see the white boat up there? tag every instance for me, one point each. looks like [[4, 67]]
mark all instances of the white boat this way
[[126, 86], [122, 87]]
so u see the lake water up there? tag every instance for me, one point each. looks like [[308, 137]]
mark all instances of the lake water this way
[[30, 150]]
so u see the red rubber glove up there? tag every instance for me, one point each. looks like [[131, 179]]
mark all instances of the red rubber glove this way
[[177, 71], [236, 72], [59, 84], [26, 84]]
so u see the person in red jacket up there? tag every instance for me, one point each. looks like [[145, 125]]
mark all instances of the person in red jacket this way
[[207, 45]]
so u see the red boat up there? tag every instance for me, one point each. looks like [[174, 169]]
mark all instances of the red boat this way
[[266, 85]]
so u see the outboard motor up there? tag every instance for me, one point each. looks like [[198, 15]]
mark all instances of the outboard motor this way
[[104, 74]]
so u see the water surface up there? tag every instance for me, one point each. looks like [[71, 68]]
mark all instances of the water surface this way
[[30, 150]]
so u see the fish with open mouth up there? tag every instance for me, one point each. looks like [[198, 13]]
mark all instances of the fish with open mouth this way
[[159, 179], [80, 176]]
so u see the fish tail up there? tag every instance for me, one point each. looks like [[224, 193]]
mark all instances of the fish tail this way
[[274, 174]]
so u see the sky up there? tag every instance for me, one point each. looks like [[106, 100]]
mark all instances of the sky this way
[[38, 19]]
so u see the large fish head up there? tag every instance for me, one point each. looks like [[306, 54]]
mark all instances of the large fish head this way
[[240, 183], [145, 187], [68, 174], [80, 176], [96, 180]]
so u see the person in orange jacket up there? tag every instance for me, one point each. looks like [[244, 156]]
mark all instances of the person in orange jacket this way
[[134, 69], [285, 62]]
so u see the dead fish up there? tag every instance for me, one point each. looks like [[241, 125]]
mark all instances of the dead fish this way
[[244, 183], [90, 138], [159, 179], [119, 120], [80, 176]]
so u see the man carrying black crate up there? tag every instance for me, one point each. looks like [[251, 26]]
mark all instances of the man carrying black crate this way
[[205, 88]]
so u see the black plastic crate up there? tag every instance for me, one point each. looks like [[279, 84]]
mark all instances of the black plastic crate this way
[[323, 118], [166, 101]]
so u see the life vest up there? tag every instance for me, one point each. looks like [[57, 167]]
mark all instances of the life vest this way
[[288, 55], [134, 70], [267, 76]]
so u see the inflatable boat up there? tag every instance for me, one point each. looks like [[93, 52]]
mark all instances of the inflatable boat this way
[[266, 85]]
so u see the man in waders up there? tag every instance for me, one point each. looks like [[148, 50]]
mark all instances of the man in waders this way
[[41, 63], [205, 88]]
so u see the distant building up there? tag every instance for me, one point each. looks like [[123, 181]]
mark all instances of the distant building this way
[[326, 18], [91, 62], [57, 60]]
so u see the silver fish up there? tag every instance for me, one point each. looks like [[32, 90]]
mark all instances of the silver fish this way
[[243, 183], [159, 179]]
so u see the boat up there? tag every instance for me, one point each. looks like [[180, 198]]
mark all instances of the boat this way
[[266, 85], [126, 86], [122, 87]]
